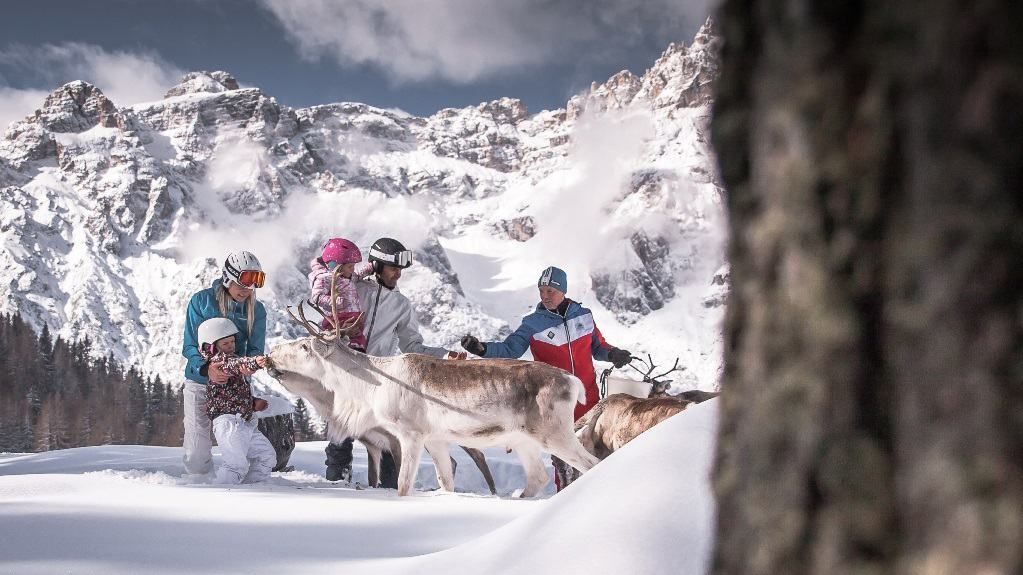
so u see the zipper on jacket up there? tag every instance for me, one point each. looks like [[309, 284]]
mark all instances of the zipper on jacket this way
[[373, 320], [571, 356]]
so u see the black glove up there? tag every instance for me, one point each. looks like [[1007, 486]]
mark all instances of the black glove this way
[[619, 357], [474, 346]]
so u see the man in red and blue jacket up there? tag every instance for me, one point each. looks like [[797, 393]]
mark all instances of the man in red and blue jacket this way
[[561, 333]]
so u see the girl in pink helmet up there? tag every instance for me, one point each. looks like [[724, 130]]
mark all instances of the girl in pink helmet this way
[[343, 254]]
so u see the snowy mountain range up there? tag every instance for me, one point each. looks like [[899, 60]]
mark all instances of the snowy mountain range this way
[[112, 216]]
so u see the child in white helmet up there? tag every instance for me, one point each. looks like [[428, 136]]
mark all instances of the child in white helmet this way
[[230, 405]]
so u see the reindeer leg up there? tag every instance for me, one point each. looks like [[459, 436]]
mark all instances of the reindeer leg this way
[[411, 452], [395, 451], [536, 473], [373, 463], [442, 463], [567, 447], [481, 463]]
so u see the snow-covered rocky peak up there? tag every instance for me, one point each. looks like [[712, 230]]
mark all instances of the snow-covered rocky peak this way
[[614, 94], [199, 82], [73, 108], [76, 107], [486, 134], [505, 110], [681, 78]]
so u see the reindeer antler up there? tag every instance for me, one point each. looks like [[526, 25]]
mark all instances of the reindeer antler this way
[[339, 328], [649, 363], [347, 327], [673, 368], [333, 303], [308, 325]]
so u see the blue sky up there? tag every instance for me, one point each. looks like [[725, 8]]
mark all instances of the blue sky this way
[[417, 55]]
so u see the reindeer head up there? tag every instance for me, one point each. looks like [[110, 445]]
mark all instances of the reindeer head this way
[[659, 389], [300, 366], [302, 356]]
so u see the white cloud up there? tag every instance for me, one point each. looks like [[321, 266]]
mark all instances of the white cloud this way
[[16, 104], [125, 77], [236, 164], [309, 218], [464, 40], [606, 150]]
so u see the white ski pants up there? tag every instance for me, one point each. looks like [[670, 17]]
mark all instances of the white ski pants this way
[[198, 442], [247, 455]]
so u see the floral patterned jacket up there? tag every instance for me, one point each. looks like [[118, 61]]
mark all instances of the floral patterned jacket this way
[[234, 396]]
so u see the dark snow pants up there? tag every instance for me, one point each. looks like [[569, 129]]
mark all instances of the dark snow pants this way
[[339, 464]]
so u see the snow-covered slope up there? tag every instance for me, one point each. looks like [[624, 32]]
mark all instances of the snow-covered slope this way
[[647, 509], [112, 216]]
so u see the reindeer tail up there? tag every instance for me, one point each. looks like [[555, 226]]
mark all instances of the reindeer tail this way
[[580, 390]]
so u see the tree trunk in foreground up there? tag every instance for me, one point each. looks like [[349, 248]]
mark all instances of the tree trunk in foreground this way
[[872, 406]]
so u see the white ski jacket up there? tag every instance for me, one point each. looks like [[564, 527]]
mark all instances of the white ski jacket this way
[[389, 323]]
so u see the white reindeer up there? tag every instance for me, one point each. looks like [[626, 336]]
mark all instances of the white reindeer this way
[[429, 402]]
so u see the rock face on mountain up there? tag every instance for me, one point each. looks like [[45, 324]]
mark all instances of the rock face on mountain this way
[[199, 82], [112, 216]]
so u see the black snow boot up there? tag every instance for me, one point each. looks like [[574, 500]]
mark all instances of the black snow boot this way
[[339, 461], [388, 473]]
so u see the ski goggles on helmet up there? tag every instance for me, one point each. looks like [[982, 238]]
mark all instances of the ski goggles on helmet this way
[[402, 259], [251, 278]]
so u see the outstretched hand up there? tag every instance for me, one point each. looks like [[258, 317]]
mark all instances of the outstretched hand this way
[[216, 374], [619, 357], [474, 346], [259, 404]]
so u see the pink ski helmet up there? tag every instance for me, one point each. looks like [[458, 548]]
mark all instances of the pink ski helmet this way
[[341, 251]]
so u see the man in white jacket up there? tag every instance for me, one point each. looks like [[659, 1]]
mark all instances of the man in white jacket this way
[[390, 327]]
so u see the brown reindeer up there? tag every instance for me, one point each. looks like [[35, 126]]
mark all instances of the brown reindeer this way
[[619, 418]]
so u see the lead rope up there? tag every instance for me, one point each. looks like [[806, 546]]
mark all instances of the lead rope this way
[[603, 382]]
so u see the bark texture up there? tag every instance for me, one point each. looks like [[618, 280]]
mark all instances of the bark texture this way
[[872, 405]]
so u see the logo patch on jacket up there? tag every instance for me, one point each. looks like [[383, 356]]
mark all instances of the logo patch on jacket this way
[[550, 335]]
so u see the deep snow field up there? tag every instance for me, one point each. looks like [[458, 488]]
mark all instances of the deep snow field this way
[[117, 510]]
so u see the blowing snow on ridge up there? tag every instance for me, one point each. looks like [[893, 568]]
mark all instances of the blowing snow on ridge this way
[[113, 215]]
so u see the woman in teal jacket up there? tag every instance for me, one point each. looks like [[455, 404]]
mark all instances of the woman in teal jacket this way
[[232, 296]]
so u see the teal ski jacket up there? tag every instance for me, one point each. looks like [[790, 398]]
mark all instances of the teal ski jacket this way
[[202, 307]]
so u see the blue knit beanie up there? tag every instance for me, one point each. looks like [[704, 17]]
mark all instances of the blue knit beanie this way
[[554, 277]]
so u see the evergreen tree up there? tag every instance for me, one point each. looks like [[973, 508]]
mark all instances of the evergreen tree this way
[[146, 423], [85, 426], [41, 432], [303, 430], [7, 383], [60, 438], [54, 394]]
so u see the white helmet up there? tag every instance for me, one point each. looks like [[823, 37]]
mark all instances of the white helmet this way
[[214, 329], [235, 266]]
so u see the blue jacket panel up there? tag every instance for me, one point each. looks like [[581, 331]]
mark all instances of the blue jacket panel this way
[[517, 343], [542, 319], [202, 307]]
